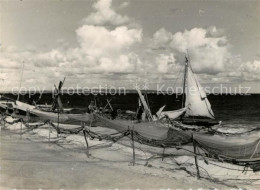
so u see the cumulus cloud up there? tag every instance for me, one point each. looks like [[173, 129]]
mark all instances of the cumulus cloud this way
[[250, 70], [101, 50], [209, 52], [161, 39], [112, 49], [164, 62], [215, 32], [99, 41], [124, 4], [104, 14]]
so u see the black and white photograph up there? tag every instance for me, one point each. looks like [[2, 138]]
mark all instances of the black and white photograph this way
[[130, 94]]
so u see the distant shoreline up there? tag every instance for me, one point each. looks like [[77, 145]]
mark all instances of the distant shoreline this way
[[128, 91]]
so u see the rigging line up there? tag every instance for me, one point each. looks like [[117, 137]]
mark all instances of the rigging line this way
[[255, 149], [20, 82], [178, 75], [227, 167], [148, 104]]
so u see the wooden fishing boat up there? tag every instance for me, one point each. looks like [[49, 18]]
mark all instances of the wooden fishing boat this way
[[55, 113], [196, 108], [153, 130], [64, 118]]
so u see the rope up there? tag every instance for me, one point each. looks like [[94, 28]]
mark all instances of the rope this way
[[210, 130], [165, 143], [113, 137], [255, 149], [232, 134]]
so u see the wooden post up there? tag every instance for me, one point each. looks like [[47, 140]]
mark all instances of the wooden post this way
[[49, 131], [28, 115], [21, 129], [163, 153], [85, 136], [4, 121], [58, 129], [133, 145], [195, 157]]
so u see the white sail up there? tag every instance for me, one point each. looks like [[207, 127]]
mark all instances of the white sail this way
[[146, 108], [159, 112], [196, 99], [173, 114]]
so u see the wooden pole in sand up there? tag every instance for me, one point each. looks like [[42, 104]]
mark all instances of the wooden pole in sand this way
[[195, 157], [21, 129], [4, 120], [27, 116], [58, 127], [85, 137], [133, 145], [49, 131], [163, 153]]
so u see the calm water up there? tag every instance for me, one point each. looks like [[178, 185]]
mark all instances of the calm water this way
[[231, 109]]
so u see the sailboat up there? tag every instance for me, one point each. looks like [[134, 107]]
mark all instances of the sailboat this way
[[150, 127], [243, 150], [55, 113], [196, 108]]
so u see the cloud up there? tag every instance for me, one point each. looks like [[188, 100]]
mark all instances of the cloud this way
[[112, 50], [208, 51], [164, 62], [99, 41], [124, 5], [215, 32], [8, 63], [250, 70], [102, 50], [161, 39], [104, 14]]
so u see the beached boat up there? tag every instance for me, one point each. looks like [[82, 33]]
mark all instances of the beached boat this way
[[149, 127], [61, 117], [196, 108], [53, 116], [54, 113]]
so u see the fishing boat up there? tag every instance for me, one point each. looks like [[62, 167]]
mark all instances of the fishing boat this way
[[196, 108], [149, 127], [243, 149], [54, 113]]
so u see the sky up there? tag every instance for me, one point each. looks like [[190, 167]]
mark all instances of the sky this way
[[127, 43]]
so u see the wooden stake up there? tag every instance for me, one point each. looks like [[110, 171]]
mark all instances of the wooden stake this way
[[85, 136], [49, 131], [195, 157], [163, 154], [27, 115], [4, 121], [58, 129], [21, 129], [133, 145]]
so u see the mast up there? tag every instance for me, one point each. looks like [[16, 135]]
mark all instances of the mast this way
[[184, 81], [20, 82]]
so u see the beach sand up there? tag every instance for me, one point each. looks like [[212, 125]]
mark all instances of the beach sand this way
[[31, 162]]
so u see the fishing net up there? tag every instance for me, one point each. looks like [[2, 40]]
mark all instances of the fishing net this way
[[230, 148]]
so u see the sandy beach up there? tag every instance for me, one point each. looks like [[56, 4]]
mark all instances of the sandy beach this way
[[30, 161]]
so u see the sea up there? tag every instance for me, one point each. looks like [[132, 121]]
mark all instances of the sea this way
[[235, 111]]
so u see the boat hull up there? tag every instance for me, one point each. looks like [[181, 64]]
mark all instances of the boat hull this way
[[75, 119], [154, 130]]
